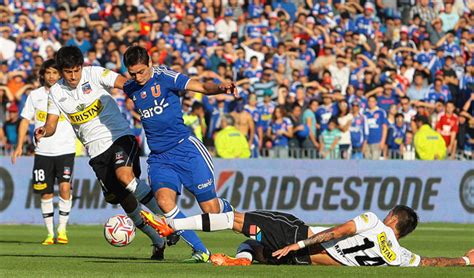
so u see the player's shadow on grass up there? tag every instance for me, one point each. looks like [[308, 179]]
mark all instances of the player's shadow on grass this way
[[19, 242], [74, 257]]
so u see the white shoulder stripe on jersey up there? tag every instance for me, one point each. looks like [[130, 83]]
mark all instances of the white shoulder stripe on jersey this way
[[202, 152], [201, 146], [164, 70]]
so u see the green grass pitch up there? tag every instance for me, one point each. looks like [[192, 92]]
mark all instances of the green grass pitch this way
[[89, 255]]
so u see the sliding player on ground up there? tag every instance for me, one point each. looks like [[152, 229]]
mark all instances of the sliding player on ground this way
[[177, 158], [54, 156], [280, 238]]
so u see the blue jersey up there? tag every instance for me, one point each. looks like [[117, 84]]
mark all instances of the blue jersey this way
[[280, 139], [324, 114], [364, 25], [396, 136], [159, 106], [444, 95], [359, 131], [266, 112], [375, 121]]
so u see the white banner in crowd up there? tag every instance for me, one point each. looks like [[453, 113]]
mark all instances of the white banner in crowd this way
[[317, 191]]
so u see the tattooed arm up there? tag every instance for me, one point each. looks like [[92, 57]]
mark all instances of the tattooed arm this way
[[466, 260], [346, 229]]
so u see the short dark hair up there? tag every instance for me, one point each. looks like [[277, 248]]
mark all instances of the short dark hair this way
[[51, 63], [69, 57], [407, 219], [136, 55], [196, 106], [422, 118]]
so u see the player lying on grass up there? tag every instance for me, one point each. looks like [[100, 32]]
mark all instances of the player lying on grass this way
[[280, 238]]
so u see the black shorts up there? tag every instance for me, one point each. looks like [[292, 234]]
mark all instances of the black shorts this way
[[123, 152], [48, 169], [275, 230]]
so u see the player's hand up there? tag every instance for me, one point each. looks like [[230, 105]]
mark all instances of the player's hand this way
[[284, 251], [229, 88], [18, 152], [39, 133], [470, 255]]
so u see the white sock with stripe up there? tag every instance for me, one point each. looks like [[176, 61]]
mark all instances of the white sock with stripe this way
[[64, 210], [207, 222], [47, 209]]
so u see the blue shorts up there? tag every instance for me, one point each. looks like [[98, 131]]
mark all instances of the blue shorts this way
[[188, 164]]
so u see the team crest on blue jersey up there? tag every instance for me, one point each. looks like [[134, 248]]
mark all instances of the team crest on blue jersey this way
[[143, 94], [86, 88]]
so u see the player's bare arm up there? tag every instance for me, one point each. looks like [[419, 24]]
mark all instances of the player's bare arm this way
[[49, 127], [119, 82], [441, 261], [211, 88], [22, 130], [346, 229]]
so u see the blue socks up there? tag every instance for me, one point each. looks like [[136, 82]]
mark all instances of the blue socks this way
[[225, 206], [190, 237]]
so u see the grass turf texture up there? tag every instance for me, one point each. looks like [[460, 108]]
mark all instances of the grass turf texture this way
[[88, 254]]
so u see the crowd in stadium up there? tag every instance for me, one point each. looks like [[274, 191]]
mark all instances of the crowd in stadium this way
[[331, 79]]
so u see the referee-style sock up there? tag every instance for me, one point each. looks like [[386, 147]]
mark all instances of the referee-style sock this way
[[149, 231], [64, 210], [190, 237], [224, 205], [47, 210], [207, 222], [144, 194]]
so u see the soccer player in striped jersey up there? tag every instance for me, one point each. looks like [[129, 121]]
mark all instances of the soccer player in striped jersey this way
[[281, 238], [82, 96], [54, 156], [177, 157]]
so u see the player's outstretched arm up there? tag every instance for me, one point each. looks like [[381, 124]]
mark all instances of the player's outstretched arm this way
[[211, 88], [346, 229], [49, 127], [440, 261]]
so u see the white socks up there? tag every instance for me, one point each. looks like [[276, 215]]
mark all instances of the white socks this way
[[64, 210], [47, 210], [207, 222], [144, 195], [245, 255]]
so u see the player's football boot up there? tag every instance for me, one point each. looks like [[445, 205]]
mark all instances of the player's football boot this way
[[49, 240], [224, 260], [172, 239], [158, 253], [157, 223], [62, 237], [198, 257]]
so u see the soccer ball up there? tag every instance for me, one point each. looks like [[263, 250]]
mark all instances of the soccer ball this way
[[119, 230]]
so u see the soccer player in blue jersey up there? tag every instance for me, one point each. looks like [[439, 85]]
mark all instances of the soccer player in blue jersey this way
[[177, 157]]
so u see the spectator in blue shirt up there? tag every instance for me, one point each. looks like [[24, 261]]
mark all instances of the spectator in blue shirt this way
[[396, 137], [325, 112], [438, 91], [359, 131], [388, 97], [281, 129], [80, 41], [377, 124]]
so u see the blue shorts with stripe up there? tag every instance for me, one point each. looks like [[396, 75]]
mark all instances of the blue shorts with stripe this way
[[188, 164]]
